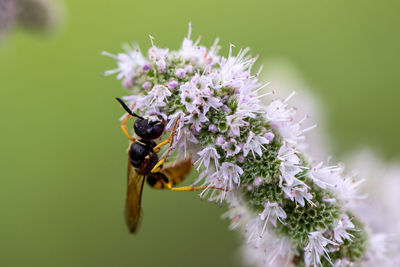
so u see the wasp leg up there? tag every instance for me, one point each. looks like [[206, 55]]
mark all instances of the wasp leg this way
[[158, 165], [124, 128], [170, 139], [158, 180], [194, 188]]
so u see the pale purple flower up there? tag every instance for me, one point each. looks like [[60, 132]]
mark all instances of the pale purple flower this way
[[254, 230], [298, 192], [347, 190], [238, 213], [129, 63], [249, 103], [159, 94], [172, 84], [236, 121], [241, 159], [179, 115], [146, 67], [317, 248], [235, 69], [341, 226], [254, 143], [220, 140], [292, 132], [231, 147], [269, 251], [258, 181], [128, 82], [226, 109], [180, 73], [8, 15], [139, 102], [207, 154], [231, 173], [197, 120], [278, 111], [195, 53], [324, 176], [146, 85], [213, 128], [158, 56], [271, 213], [209, 101], [189, 68], [190, 97], [270, 136], [185, 139], [290, 165], [342, 263]]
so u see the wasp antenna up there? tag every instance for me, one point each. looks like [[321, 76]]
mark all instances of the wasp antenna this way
[[128, 109]]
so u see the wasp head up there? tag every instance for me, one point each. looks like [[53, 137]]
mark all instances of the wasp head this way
[[149, 128]]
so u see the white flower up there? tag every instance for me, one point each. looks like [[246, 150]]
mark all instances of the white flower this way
[[197, 119], [158, 56], [159, 95], [209, 101], [340, 228], [236, 121], [269, 251], [190, 97], [254, 230], [271, 213], [235, 69], [205, 155], [254, 143], [226, 179], [347, 189], [249, 104], [231, 147], [215, 180], [129, 63], [238, 213], [298, 192], [184, 139], [325, 176], [138, 102], [290, 165], [316, 248], [278, 111], [378, 251], [231, 173], [197, 54], [292, 132]]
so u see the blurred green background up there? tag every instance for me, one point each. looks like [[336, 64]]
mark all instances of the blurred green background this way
[[63, 165]]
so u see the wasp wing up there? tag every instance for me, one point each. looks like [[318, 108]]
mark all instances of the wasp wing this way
[[178, 170], [133, 198]]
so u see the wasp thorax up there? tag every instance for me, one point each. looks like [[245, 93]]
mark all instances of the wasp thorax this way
[[149, 128]]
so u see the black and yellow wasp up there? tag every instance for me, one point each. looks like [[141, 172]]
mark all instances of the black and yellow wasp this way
[[144, 163]]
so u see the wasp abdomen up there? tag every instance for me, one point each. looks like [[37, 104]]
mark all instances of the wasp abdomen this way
[[157, 180]]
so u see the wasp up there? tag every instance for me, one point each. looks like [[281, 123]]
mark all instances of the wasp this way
[[144, 163]]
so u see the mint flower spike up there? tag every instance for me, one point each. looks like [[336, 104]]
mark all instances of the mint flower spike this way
[[288, 209]]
